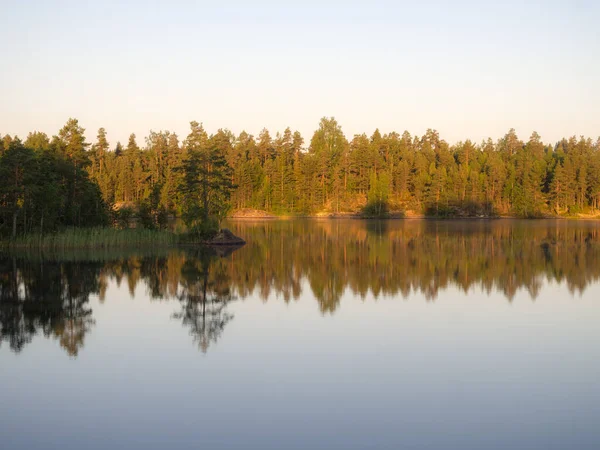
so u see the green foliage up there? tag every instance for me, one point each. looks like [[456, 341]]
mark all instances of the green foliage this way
[[375, 208], [43, 188], [201, 230], [152, 218], [122, 218], [46, 184], [206, 181], [145, 216], [377, 199]]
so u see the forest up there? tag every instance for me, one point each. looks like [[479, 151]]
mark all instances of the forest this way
[[48, 183]]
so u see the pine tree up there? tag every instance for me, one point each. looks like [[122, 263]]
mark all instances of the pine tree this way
[[206, 183], [327, 145]]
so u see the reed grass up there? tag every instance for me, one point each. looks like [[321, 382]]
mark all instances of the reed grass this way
[[97, 238]]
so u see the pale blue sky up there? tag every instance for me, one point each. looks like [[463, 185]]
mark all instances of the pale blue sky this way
[[468, 69]]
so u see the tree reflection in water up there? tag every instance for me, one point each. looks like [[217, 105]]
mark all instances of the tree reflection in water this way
[[204, 299], [329, 257], [47, 297]]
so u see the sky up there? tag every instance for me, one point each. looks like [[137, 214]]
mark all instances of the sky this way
[[469, 69]]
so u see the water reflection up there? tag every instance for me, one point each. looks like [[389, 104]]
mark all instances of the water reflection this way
[[204, 299], [46, 297], [396, 258], [50, 295]]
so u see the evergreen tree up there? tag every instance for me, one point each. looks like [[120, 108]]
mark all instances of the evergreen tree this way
[[206, 183], [327, 145]]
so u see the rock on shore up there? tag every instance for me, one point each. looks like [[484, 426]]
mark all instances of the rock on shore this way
[[225, 237]]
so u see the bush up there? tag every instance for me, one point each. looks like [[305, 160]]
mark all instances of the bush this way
[[162, 218], [153, 218], [122, 217], [146, 217], [375, 209], [203, 230]]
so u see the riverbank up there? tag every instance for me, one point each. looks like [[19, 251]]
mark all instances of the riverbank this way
[[261, 214], [250, 214], [357, 216]]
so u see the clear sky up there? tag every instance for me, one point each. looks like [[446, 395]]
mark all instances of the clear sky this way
[[470, 69]]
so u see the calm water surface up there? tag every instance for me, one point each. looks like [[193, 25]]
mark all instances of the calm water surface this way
[[315, 335]]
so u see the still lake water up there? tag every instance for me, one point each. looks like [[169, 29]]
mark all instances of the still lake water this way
[[331, 334]]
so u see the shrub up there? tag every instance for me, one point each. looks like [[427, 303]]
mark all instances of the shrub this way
[[122, 217], [375, 209], [203, 230]]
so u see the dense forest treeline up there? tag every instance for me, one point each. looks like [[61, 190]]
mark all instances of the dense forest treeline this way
[[50, 295], [65, 181]]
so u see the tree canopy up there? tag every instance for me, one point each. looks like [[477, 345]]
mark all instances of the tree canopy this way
[[47, 183]]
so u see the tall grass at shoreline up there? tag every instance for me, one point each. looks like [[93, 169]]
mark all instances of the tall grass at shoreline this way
[[101, 238]]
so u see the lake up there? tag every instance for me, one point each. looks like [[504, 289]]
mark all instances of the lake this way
[[318, 334]]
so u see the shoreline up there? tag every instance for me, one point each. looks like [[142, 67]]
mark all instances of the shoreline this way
[[257, 214], [400, 217]]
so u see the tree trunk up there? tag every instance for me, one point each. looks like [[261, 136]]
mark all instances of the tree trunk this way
[[41, 228], [14, 227], [323, 186]]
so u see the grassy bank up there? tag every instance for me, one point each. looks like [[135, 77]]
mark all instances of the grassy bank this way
[[101, 238]]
